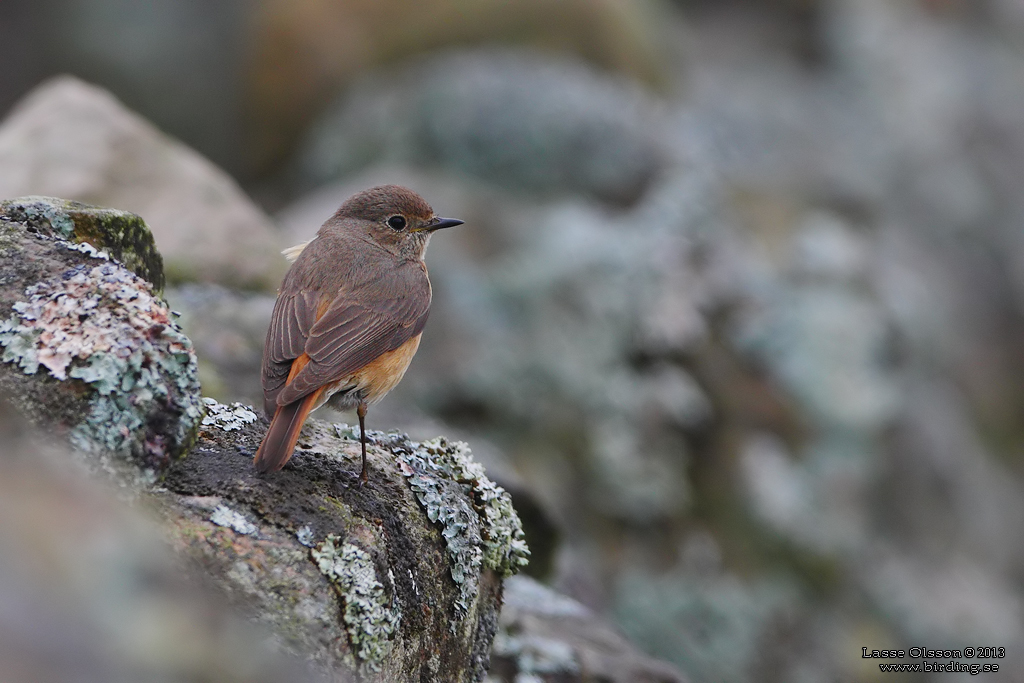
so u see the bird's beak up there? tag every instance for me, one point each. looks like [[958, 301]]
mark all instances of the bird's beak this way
[[438, 223]]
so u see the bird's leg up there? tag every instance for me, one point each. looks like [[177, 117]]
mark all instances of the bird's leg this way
[[361, 412]]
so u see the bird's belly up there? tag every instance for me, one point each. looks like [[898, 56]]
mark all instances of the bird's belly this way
[[374, 380]]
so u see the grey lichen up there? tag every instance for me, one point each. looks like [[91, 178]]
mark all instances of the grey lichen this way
[[305, 536], [103, 325], [371, 620], [88, 249], [228, 418], [226, 517], [481, 528], [344, 431]]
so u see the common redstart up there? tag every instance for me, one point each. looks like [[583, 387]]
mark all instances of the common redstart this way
[[349, 315]]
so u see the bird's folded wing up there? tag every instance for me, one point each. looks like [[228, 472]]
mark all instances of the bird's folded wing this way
[[358, 326], [294, 315]]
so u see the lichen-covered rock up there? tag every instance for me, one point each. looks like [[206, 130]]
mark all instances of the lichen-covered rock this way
[[311, 47], [515, 119], [481, 533], [544, 636], [397, 580], [70, 139], [123, 235], [371, 618], [89, 349]]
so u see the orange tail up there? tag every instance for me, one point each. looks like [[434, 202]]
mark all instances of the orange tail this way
[[279, 441]]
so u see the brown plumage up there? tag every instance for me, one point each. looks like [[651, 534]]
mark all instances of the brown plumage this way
[[349, 315]]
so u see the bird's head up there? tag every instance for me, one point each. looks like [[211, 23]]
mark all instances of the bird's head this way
[[395, 218]]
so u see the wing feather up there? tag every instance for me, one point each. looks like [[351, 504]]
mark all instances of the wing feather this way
[[293, 316]]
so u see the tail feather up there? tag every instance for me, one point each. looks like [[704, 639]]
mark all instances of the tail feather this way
[[279, 441]]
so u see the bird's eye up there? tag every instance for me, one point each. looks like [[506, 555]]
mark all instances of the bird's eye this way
[[396, 222]]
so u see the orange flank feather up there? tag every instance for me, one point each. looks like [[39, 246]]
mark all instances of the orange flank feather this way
[[297, 365]]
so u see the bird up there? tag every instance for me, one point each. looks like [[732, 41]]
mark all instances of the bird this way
[[349, 315]]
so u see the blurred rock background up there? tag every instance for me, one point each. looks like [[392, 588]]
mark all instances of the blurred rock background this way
[[738, 311], [91, 593]]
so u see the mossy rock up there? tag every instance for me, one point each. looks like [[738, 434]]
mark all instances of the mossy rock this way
[[122, 234]]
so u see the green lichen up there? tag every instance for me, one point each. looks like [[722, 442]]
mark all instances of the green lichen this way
[[370, 619], [42, 213], [19, 344], [10, 237], [480, 527], [124, 235], [104, 326]]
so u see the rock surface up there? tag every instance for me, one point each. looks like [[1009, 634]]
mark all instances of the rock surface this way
[[399, 579], [123, 235], [70, 139]]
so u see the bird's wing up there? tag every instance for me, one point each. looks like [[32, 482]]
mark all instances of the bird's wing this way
[[294, 315], [357, 326]]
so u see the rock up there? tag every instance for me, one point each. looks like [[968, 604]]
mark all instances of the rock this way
[[90, 350], [518, 120], [306, 52], [545, 636], [89, 590], [70, 139], [400, 578]]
